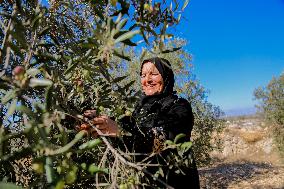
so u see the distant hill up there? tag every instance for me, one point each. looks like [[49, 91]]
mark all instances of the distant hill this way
[[240, 111]]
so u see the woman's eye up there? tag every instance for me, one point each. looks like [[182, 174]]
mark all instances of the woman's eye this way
[[143, 75]]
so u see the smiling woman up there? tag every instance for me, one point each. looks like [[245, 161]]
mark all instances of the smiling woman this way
[[159, 116]]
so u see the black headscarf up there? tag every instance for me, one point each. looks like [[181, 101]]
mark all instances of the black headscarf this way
[[165, 69]]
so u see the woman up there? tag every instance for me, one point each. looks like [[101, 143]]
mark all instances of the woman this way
[[160, 116]]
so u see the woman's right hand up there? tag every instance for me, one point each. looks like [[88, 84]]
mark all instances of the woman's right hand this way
[[107, 126]]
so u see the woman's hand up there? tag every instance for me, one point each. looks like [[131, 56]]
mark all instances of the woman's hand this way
[[107, 126]]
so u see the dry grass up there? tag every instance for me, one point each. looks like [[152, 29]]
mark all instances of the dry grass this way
[[252, 136], [246, 135]]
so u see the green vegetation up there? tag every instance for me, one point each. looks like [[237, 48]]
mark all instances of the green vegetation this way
[[77, 55], [271, 99]]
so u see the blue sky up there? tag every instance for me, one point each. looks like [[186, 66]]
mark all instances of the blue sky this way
[[236, 45]]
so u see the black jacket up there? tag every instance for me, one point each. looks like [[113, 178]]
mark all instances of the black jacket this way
[[156, 119]]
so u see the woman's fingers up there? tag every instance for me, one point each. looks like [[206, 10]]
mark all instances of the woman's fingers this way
[[99, 120], [104, 125], [104, 132], [107, 126], [101, 126], [104, 117], [83, 126]]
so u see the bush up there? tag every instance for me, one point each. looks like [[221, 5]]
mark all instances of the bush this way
[[271, 98]]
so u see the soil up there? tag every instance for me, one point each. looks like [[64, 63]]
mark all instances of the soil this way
[[243, 163], [242, 175]]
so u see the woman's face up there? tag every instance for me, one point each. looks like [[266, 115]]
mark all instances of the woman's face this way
[[151, 79]]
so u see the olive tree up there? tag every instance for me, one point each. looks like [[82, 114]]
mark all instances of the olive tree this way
[[56, 62], [271, 104]]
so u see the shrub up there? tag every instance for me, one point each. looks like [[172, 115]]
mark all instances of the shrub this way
[[271, 98]]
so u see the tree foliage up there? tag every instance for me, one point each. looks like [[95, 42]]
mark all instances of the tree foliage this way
[[271, 98], [60, 59]]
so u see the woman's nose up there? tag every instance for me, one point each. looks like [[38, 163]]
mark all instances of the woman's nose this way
[[148, 78]]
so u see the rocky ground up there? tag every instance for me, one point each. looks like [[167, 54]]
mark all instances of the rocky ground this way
[[248, 159]]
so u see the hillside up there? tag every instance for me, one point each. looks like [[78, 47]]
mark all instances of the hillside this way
[[248, 158]]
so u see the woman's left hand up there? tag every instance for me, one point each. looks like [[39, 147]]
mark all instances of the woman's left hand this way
[[107, 126]]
